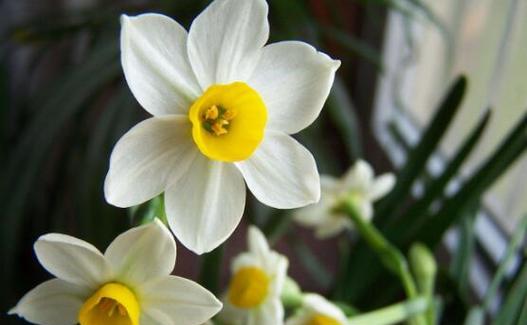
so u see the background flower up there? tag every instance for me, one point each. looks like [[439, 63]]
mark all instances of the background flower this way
[[258, 275], [130, 283], [358, 185]]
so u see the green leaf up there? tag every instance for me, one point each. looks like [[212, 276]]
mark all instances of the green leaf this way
[[417, 158], [463, 254], [56, 105], [436, 187], [505, 263], [510, 149], [514, 301]]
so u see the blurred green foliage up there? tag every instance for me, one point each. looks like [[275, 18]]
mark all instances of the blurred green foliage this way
[[55, 142]]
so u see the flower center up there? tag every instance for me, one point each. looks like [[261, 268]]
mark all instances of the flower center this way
[[248, 287], [228, 121], [112, 304], [320, 319]]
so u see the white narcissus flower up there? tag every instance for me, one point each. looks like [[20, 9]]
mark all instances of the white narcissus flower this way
[[224, 105], [358, 185], [253, 296], [129, 285], [316, 310]]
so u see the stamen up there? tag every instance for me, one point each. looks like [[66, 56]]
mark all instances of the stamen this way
[[229, 114], [218, 128], [212, 113], [216, 119]]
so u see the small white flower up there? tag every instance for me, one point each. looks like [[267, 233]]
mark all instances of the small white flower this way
[[358, 185], [253, 296], [316, 310], [129, 285], [224, 105]]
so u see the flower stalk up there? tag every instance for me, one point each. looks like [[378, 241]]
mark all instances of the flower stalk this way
[[390, 255], [392, 314]]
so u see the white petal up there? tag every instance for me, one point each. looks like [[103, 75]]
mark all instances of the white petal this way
[[206, 204], [294, 81], [318, 213], [225, 40], [300, 317], [320, 305], [155, 64], [282, 173], [257, 242], [333, 226], [270, 313], [147, 159], [233, 315], [176, 301], [245, 259], [54, 302], [142, 253], [359, 176], [381, 186], [72, 260], [365, 209], [276, 265]]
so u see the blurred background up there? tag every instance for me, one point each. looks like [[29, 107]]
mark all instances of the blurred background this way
[[462, 173]]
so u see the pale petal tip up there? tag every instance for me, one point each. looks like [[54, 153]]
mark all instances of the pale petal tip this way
[[13, 311], [124, 19]]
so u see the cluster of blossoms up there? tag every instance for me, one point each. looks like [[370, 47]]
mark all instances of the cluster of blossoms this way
[[224, 107]]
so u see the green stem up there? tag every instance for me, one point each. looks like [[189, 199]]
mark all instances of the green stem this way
[[390, 255], [392, 314]]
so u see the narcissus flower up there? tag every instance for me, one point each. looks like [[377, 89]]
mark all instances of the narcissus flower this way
[[258, 276], [358, 185], [224, 105], [316, 310], [129, 285]]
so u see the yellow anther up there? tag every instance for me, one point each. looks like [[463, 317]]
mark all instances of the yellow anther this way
[[218, 128], [229, 114], [212, 113]]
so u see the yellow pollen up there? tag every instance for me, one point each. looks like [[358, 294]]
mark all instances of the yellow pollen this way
[[228, 122], [212, 113], [248, 287], [112, 304], [218, 128], [320, 319]]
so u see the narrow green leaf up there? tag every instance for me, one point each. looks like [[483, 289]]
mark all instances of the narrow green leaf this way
[[511, 148], [417, 158], [513, 246], [460, 266], [476, 316], [25, 161], [436, 187], [514, 301]]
